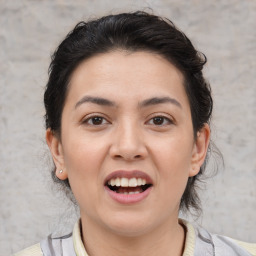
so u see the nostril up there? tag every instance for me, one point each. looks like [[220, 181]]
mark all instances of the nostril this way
[[128, 157], [128, 149], [118, 156]]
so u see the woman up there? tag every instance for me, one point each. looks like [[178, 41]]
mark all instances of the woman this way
[[127, 118]]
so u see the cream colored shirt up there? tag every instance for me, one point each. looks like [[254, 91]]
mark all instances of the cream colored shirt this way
[[35, 250]]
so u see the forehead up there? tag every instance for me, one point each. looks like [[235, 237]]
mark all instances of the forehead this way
[[127, 75]]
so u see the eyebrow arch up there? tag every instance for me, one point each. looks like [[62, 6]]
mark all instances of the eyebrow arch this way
[[95, 100], [159, 100]]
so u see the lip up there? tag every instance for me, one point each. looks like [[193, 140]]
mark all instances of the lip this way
[[128, 174], [128, 198]]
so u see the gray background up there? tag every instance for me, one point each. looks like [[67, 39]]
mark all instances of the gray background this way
[[29, 32]]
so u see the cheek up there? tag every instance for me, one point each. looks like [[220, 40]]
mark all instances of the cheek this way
[[173, 155], [81, 151], [172, 159], [83, 159]]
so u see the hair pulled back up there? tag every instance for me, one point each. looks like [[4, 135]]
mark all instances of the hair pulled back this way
[[138, 31]]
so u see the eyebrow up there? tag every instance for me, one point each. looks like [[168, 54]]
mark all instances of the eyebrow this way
[[144, 103], [95, 100], [159, 100]]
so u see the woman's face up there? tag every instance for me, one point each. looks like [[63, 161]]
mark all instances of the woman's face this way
[[127, 122]]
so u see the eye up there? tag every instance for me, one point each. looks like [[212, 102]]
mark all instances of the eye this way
[[159, 121], [95, 120]]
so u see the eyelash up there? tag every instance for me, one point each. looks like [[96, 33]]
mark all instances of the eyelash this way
[[166, 121], [89, 120], [103, 121]]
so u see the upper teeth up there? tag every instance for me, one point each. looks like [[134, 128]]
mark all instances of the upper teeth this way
[[125, 182]]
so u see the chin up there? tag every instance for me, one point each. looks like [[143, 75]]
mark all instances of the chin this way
[[129, 225], [129, 230]]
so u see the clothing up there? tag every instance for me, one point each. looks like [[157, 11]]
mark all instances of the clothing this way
[[199, 242]]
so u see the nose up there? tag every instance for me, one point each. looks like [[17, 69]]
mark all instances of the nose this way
[[128, 143]]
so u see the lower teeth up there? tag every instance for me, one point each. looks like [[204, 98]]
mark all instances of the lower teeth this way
[[129, 193]]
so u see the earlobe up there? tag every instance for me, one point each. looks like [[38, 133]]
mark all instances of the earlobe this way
[[55, 147], [200, 150], [61, 175]]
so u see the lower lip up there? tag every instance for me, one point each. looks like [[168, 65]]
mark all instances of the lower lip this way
[[126, 198]]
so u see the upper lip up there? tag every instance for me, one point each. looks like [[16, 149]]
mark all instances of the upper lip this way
[[128, 175]]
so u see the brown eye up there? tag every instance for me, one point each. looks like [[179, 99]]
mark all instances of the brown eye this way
[[95, 120], [160, 121]]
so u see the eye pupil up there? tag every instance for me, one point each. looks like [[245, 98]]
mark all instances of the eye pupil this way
[[158, 120], [97, 120]]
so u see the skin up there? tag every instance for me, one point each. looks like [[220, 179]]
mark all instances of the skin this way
[[128, 138]]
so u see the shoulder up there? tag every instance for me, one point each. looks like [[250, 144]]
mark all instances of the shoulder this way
[[250, 247], [34, 250], [223, 245], [55, 245], [200, 242]]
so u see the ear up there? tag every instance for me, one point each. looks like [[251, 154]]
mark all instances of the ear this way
[[200, 150], [55, 147]]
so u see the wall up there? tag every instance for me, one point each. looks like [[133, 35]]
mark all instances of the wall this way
[[224, 30]]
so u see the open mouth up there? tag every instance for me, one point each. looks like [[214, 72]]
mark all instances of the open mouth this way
[[128, 186]]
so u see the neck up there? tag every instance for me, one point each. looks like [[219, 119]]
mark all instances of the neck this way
[[168, 239]]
